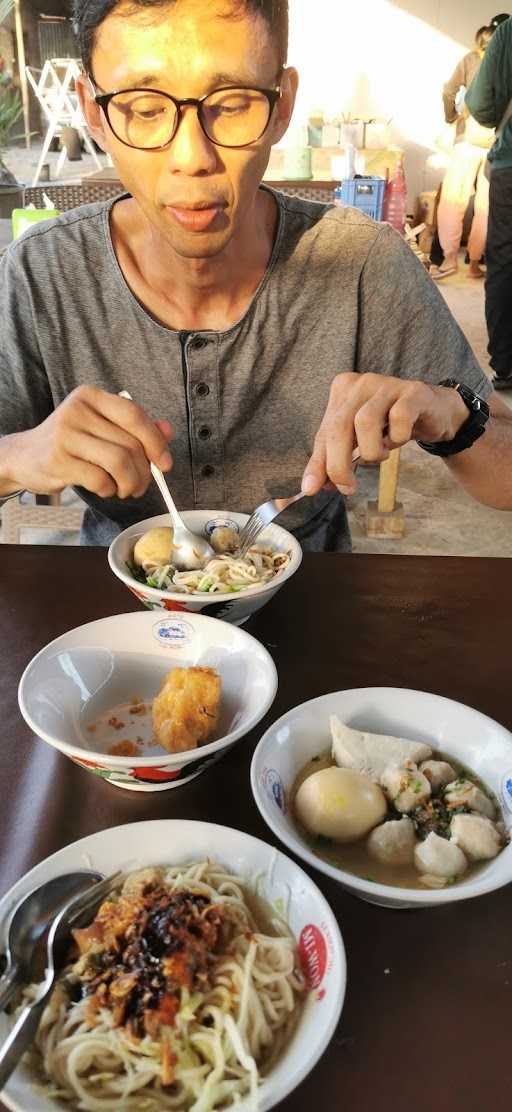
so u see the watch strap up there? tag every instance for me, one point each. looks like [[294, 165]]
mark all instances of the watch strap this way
[[470, 431]]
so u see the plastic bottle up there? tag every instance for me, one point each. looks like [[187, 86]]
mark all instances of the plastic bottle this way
[[395, 199]]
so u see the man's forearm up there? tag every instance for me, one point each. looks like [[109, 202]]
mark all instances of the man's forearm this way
[[8, 482], [485, 470]]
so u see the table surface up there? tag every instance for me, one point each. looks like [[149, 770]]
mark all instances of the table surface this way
[[426, 1021]]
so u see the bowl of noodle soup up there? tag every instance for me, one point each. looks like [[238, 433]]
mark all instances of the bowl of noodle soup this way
[[276, 556], [249, 1031]]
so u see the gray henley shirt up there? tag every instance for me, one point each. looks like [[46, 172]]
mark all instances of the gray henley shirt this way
[[340, 293]]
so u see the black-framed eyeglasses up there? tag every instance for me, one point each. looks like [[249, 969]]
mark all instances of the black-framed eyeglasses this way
[[147, 119]]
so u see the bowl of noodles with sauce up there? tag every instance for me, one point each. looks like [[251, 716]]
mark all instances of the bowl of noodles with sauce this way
[[227, 587], [213, 977]]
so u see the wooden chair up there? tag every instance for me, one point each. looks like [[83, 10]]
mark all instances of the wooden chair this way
[[46, 512], [69, 196]]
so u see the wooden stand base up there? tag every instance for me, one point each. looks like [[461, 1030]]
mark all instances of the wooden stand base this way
[[380, 523]]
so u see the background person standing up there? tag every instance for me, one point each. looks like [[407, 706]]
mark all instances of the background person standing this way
[[489, 99], [465, 174]]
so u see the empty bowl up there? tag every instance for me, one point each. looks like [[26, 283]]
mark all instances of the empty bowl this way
[[89, 693]]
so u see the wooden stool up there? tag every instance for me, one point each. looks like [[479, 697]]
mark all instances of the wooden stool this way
[[385, 518]]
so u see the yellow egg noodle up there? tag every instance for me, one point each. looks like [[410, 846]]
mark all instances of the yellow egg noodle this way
[[222, 1040]]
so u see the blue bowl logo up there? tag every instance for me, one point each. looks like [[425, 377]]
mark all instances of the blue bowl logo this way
[[173, 632], [274, 787], [507, 791]]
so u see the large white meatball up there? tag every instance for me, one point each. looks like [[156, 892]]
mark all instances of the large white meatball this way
[[340, 803], [438, 857], [393, 843], [438, 772], [153, 549], [406, 788], [476, 835], [462, 792]]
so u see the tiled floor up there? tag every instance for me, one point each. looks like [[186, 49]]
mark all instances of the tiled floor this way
[[440, 517]]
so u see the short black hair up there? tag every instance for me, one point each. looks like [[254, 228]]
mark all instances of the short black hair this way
[[89, 14], [495, 22]]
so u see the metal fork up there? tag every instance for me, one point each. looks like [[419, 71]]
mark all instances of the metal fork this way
[[262, 517], [76, 913], [264, 514]]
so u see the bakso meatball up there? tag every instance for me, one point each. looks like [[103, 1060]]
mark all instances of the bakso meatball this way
[[224, 539], [463, 792], [438, 773], [340, 803], [438, 857], [406, 788], [476, 835], [393, 843], [153, 549]]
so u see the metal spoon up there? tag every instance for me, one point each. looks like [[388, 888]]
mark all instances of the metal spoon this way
[[75, 913], [190, 552], [29, 921]]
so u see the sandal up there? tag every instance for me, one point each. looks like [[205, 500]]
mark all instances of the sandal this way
[[438, 272]]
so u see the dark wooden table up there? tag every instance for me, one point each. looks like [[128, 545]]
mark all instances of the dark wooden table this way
[[427, 1017]]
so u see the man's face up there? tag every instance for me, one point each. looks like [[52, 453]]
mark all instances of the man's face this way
[[196, 194]]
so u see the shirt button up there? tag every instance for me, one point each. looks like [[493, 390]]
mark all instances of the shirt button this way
[[202, 389], [208, 471], [198, 343], [204, 433]]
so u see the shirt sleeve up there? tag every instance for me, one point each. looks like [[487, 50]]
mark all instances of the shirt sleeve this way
[[25, 397], [405, 326], [486, 97]]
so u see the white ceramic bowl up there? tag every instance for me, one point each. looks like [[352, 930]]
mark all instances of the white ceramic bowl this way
[[76, 693], [283, 883], [231, 608], [465, 734]]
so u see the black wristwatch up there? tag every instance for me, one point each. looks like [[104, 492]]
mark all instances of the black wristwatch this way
[[470, 430]]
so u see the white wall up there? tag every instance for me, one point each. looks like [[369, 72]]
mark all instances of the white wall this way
[[385, 59]]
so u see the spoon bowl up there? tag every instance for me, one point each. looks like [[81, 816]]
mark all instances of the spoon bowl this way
[[29, 921], [189, 551]]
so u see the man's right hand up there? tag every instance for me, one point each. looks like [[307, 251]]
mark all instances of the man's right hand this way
[[95, 440]]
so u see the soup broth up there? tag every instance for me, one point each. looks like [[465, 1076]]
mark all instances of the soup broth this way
[[354, 857]]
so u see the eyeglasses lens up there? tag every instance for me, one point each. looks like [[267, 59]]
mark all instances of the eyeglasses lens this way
[[230, 117]]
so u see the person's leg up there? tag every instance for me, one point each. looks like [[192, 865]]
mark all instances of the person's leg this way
[[498, 286], [478, 234], [456, 191]]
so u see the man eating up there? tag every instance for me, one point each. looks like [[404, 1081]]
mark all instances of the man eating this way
[[260, 336]]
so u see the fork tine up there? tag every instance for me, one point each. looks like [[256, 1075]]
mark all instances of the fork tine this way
[[251, 536], [87, 900], [253, 526], [247, 527]]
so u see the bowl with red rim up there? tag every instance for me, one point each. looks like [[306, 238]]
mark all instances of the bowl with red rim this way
[[234, 608], [89, 693]]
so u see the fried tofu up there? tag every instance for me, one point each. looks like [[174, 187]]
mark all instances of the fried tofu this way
[[186, 709]]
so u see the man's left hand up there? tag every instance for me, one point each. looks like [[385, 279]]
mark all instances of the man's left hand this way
[[377, 413]]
